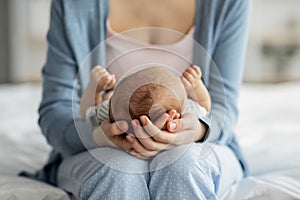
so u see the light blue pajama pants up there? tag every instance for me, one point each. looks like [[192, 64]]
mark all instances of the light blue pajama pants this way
[[192, 171]]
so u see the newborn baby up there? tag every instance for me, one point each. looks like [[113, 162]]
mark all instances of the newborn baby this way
[[151, 92]]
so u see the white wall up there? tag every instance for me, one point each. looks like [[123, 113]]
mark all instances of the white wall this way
[[275, 24], [274, 41], [29, 20], [4, 46]]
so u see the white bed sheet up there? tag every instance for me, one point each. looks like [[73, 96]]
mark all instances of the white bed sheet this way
[[269, 126], [268, 131]]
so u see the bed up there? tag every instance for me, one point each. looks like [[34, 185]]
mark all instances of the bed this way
[[268, 131]]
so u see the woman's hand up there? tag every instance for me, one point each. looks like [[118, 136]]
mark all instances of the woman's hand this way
[[112, 135], [143, 145], [150, 139]]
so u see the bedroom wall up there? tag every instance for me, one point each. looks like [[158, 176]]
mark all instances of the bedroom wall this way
[[273, 52], [274, 44], [4, 61], [29, 20]]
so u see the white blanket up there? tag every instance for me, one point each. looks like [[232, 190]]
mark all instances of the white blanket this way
[[268, 131]]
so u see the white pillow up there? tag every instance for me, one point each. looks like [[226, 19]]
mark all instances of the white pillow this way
[[278, 185], [19, 188]]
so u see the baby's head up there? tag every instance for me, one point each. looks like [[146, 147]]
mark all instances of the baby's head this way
[[151, 92]]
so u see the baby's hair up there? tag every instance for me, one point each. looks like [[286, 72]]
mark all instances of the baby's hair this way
[[151, 100], [151, 92]]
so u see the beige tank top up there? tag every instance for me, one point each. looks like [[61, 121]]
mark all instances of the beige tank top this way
[[125, 54]]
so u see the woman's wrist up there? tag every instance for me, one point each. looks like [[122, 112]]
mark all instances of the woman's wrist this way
[[100, 139], [201, 132]]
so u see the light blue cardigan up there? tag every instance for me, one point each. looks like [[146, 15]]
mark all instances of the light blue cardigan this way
[[78, 26]]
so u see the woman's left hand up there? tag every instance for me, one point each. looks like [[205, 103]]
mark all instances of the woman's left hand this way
[[150, 139]]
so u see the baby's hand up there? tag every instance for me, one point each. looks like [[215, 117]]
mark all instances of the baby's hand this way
[[102, 79], [191, 77]]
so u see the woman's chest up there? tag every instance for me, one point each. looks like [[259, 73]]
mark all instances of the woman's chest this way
[[176, 15]]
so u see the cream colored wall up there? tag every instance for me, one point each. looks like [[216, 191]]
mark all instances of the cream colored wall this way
[[29, 21], [275, 29], [274, 41], [4, 61]]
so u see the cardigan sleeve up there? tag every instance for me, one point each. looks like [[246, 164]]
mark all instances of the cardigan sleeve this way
[[226, 72], [59, 108]]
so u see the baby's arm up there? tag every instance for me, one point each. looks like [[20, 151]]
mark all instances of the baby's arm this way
[[100, 80], [191, 79]]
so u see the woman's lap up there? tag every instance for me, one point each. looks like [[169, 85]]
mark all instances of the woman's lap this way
[[193, 171]]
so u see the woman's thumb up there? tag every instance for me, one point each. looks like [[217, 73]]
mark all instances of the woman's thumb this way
[[173, 126]]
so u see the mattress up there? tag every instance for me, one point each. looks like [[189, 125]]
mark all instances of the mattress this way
[[268, 131]]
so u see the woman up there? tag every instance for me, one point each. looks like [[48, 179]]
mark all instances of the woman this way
[[76, 28]]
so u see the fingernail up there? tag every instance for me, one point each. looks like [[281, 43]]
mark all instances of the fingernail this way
[[173, 126], [144, 120]]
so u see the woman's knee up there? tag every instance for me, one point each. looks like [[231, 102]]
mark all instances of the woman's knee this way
[[119, 160], [186, 158], [75, 171], [194, 170], [109, 183]]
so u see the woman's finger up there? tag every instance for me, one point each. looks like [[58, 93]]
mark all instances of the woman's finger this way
[[184, 137], [103, 139], [117, 128], [172, 114], [138, 147], [155, 132], [187, 122], [145, 139], [121, 142], [162, 120], [186, 129], [138, 155]]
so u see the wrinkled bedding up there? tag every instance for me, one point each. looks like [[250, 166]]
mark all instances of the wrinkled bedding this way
[[268, 131]]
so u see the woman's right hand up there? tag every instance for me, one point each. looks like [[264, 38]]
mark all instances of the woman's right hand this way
[[112, 135]]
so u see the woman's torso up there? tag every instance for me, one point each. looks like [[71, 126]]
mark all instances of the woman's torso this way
[[177, 15], [125, 55]]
